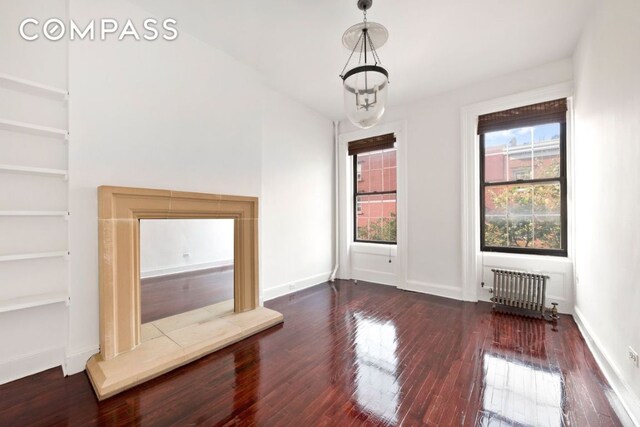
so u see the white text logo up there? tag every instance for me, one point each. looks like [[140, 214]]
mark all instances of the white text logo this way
[[55, 29]]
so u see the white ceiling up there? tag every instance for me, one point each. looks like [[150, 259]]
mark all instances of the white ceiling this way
[[434, 45]]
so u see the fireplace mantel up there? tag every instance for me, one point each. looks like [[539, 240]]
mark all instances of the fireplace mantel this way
[[128, 355]]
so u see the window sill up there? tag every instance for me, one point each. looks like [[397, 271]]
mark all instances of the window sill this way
[[374, 248], [526, 257]]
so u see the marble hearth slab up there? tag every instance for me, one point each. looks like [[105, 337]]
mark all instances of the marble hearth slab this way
[[175, 341]]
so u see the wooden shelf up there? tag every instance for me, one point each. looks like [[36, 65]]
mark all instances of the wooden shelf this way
[[34, 171], [34, 213], [33, 255], [29, 86], [33, 301], [31, 128]]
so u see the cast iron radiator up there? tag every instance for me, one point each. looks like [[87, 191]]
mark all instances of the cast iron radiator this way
[[522, 290]]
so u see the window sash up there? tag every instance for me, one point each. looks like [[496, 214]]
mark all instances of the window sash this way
[[357, 194], [563, 251]]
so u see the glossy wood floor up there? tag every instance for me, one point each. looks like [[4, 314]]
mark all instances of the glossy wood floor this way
[[360, 354], [164, 296]]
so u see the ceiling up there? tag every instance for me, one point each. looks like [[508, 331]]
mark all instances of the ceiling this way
[[434, 45]]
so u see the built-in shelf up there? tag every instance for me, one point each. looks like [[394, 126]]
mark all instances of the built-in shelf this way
[[34, 213], [31, 86], [33, 301], [34, 171], [33, 255], [31, 128]]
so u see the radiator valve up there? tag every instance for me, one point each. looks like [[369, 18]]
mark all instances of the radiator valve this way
[[554, 311], [490, 290]]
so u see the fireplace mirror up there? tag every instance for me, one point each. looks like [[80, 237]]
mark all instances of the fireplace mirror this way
[[185, 265]]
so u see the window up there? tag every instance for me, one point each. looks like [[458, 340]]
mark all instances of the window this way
[[523, 191], [375, 188]]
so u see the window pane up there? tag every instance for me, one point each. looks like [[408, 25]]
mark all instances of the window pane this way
[[523, 216], [495, 216], [376, 171], [376, 218], [522, 153]]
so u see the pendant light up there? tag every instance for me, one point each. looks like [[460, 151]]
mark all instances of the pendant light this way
[[365, 82]]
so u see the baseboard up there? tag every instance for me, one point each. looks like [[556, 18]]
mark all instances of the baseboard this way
[[29, 364], [185, 268], [294, 286], [76, 361], [628, 398], [446, 291], [373, 276]]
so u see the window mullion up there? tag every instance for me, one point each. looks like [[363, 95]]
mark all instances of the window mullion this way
[[524, 182]]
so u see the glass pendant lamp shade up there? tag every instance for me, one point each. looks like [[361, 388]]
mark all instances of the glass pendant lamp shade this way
[[365, 94], [366, 83]]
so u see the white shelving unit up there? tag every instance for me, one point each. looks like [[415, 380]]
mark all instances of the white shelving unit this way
[[20, 85], [33, 301], [34, 206], [32, 87], [34, 171]]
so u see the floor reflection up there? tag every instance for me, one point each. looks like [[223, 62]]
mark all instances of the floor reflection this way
[[376, 371], [520, 393], [520, 334]]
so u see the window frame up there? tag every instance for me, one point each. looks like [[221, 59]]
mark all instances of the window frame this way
[[371, 193], [562, 180]]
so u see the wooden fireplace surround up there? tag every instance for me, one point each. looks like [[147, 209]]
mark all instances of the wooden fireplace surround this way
[[123, 362]]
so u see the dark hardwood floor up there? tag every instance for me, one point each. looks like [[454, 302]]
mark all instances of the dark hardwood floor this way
[[164, 296], [360, 354]]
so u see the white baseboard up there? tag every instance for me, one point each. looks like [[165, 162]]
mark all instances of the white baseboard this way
[[29, 364], [185, 268], [294, 286], [628, 398], [373, 276], [446, 291], [76, 360]]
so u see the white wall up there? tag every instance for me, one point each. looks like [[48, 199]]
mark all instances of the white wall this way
[[607, 112], [34, 338], [297, 203], [169, 246], [186, 116], [434, 177]]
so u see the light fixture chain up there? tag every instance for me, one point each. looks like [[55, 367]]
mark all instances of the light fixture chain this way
[[349, 59], [362, 47], [376, 58]]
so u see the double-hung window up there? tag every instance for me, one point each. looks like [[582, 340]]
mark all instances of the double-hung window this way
[[374, 189], [523, 183]]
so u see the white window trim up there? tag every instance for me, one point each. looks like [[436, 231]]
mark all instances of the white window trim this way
[[470, 226]]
